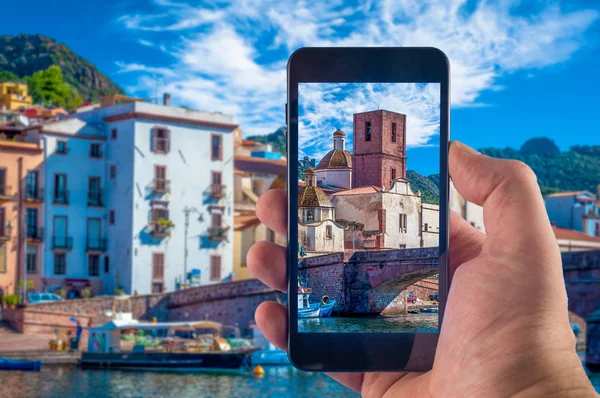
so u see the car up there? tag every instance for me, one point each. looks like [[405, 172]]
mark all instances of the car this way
[[40, 297], [411, 298], [434, 297]]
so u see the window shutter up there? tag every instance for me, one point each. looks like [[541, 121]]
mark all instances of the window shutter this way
[[153, 139], [167, 141]]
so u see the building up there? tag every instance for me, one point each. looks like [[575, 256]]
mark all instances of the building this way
[[575, 210], [21, 214], [469, 211], [318, 232], [14, 95], [570, 241], [373, 201], [137, 198]]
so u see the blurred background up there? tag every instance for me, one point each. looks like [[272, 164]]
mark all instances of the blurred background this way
[[136, 137]]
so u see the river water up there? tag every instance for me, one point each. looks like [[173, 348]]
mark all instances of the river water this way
[[407, 323]]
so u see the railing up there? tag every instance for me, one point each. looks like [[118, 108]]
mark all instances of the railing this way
[[161, 186], [34, 194], [62, 242], [217, 232], [160, 230], [95, 244], [217, 190], [95, 198], [5, 191], [5, 232], [61, 197], [35, 234]]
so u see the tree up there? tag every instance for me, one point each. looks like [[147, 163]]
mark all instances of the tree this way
[[47, 87], [541, 146], [8, 76]]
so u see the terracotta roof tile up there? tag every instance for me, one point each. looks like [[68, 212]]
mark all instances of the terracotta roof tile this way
[[259, 165], [245, 221], [336, 159], [312, 197], [570, 234], [359, 191]]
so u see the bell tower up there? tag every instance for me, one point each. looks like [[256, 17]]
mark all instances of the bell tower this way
[[379, 148]]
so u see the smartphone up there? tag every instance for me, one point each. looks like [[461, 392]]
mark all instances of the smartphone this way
[[367, 265]]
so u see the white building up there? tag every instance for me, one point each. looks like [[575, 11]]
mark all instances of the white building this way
[[120, 192]]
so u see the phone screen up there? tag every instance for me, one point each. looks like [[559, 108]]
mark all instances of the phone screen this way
[[368, 207]]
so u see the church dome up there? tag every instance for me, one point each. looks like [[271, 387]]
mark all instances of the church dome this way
[[311, 195], [336, 159]]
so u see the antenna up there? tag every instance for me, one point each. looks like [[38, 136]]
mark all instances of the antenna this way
[[157, 85]]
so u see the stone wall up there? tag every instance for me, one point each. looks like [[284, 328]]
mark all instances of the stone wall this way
[[581, 271], [325, 276]]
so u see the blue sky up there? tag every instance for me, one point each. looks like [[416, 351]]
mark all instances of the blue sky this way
[[520, 69]]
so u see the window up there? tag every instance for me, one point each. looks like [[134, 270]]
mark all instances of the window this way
[[60, 189], [32, 191], [216, 219], [3, 227], [393, 132], [158, 266], [95, 151], [106, 265], [94, 234], [60, 263], [94, 192], [31, 218], [426, 227], [157, 287], [113, 134], [367, 131], [402, 223], [32, 259], [597, 229], [94, 265], [310, 216], [60, 231], [3, 259], [393, 174], [159, 212], [111, 217], [215, 267], [160, 178], [61, 147], [216, 147], [329, 232], [3, 190], [113, 171], [160, 140]]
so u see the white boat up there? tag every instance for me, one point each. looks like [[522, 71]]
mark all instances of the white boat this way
[[314, 310], [270, 357]]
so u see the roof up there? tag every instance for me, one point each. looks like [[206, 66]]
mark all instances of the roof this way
[[244, 221], [260, 165], [570, 193], [280, 182], [339, 133], [328, 191], [336, 159], [312, 197], [250, 143], [359, 191], [570, 234]]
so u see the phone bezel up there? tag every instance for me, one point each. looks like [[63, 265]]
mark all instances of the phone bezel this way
[[364, 351]]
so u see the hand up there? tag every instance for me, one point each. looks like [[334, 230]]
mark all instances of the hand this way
[[505, 330]]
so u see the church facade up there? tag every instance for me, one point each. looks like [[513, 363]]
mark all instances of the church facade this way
[[368, 196]]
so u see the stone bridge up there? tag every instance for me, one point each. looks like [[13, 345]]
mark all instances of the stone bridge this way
[[368, 282], [582, 279]]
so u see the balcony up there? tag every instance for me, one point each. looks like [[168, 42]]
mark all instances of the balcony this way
[[218, 233], [97, 245], [161, 186], [161, 229], [35, 234], [61, 197], [217, 191], [5, 192], [5, 232], [62, 243], [34, 194], [95, 198]]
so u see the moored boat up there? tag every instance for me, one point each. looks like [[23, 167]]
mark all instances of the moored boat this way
[[306, 309], [16, 364], [430, 310]]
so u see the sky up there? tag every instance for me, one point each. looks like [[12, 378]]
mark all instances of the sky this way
[[325, 107], [520, 69]]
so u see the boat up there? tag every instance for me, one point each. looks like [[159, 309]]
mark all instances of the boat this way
[[270, 357], [430, 310], [193, 345], [314, 310], [16, 364]]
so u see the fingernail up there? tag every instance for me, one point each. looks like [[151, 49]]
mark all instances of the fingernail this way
[[465, 148]]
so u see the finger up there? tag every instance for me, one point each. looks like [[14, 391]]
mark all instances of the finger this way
[[266, 261], [271, 209], [465, 242], [271, 319], [507, 190]]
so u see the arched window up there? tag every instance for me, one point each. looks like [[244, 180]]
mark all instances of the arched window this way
[[310, 215]]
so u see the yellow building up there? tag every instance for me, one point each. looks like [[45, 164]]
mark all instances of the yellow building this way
[[14, 96]]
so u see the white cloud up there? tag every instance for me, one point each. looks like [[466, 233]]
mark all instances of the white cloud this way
[[231, 56]]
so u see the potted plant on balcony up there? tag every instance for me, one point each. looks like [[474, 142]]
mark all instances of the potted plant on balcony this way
[[119, 291], [60, 292], [11, 300], [165, 224], [86, 292]]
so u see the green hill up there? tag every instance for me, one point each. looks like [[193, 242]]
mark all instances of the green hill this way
[[276, 139], [575, 169], [24, 55], [429, 186]]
